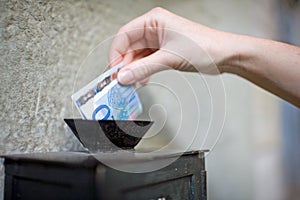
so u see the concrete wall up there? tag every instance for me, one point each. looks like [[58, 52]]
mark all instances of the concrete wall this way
[[43, 44]]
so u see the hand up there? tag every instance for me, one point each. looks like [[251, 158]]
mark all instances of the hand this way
[[160, 40]]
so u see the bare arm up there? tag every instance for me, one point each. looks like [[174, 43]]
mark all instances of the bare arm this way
[[272, 65], [160, 40]]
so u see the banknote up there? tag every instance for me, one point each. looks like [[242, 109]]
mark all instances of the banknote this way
[[105, 99]]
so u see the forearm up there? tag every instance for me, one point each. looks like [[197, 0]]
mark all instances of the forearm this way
[[271, 65]]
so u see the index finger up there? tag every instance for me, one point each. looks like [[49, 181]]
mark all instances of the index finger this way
[[126, 36]]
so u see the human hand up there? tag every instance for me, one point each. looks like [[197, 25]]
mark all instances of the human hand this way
[[160, 40]]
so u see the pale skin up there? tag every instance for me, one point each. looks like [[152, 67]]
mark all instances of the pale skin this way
[[146, 44]]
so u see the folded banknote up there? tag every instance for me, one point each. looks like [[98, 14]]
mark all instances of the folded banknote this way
[[105, 99]]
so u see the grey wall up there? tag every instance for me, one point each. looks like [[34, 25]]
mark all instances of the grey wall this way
[[43, 45]]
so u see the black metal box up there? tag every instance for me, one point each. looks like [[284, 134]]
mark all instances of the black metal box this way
[[75, 175]]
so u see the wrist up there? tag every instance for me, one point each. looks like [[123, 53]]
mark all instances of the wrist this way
[[239, 53]]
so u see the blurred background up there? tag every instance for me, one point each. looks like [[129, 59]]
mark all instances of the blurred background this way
[[44, 43]]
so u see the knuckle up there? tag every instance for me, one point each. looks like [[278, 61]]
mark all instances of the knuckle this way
[[145, 69], [157, 10]]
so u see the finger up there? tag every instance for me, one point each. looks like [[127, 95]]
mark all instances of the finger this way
[[144, 81], [144, 67], [142, 29], [133, 55], [125, 37]]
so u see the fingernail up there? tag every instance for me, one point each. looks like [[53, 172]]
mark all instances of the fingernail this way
[[126, 77]]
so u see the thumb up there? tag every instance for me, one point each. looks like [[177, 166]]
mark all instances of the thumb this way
[[144, 67]]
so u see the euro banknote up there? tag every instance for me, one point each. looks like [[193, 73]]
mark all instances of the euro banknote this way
[[106, 99]]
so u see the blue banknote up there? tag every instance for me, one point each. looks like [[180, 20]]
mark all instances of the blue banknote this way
[[119, 102], [105, 99]]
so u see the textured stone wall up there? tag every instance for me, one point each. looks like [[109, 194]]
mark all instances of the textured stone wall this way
[[42, 46]]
